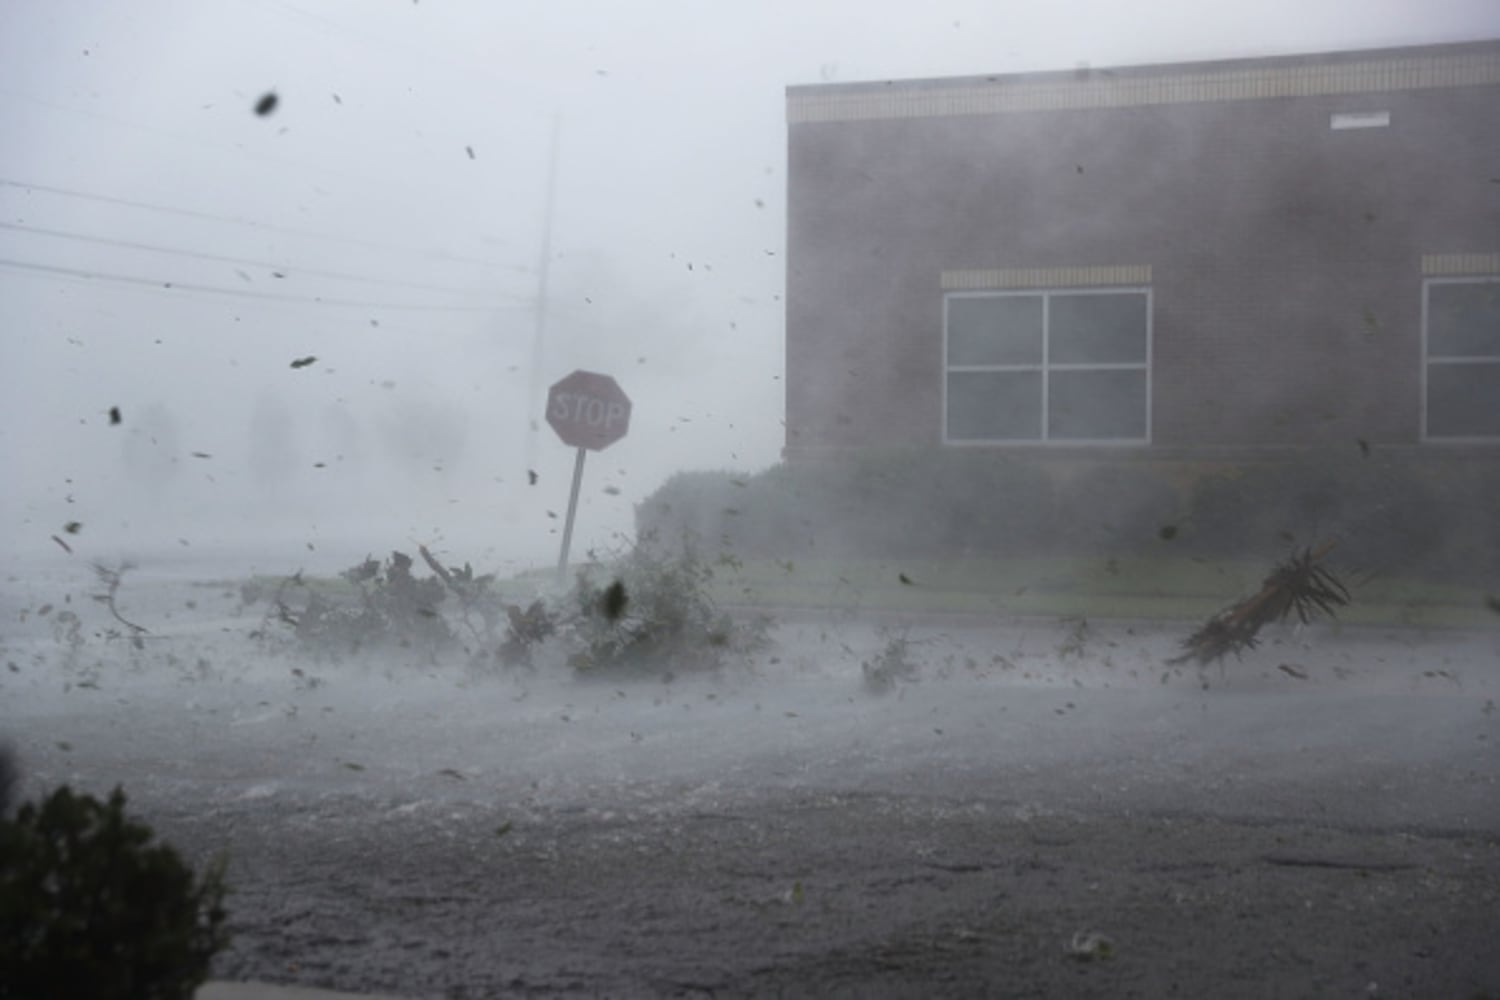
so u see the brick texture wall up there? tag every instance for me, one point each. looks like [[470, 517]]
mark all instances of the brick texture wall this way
[[1285, 255]]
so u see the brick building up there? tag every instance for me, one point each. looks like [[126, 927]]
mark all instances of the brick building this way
[[1168, 261]]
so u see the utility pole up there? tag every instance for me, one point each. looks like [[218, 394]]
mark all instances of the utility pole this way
[[543, 272]]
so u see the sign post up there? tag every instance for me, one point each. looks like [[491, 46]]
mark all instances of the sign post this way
[[590, 412]]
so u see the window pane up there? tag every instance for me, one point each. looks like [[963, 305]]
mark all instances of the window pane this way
[[994, 406], [1095, 405], [995, 330], [1463, 320], [1463, 400], [1098, 329]]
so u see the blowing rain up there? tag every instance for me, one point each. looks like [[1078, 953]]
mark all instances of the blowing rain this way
[[665, 499]]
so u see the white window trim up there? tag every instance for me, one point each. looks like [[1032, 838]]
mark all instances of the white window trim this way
[[1044, 367], [1427, 362]]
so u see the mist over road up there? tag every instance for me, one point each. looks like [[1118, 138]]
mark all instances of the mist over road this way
[[421, 830]]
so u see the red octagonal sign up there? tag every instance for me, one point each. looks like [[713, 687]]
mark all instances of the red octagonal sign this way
[[588, 410]]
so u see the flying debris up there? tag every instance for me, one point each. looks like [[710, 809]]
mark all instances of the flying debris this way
[[202, 454], [1090, 946], [304, 362], [531, 476], [1299, 584], [114, 415], [906, 579], [73, 527], [267, 103], [1167, 532], [65, 546], [614, 600], [470, 151]]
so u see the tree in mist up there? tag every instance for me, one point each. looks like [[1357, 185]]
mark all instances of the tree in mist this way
[[424, 433], [152, 448], [274, 455], [341, 436]]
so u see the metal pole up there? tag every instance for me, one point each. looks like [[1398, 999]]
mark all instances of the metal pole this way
[[543, 282], [562, 560]]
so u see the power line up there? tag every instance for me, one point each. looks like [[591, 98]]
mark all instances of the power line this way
[[237, 150], [189, 137], [152, 283], [197, 255], [193, 214]]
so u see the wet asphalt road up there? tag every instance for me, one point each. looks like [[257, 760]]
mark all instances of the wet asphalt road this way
[[1036, 812]]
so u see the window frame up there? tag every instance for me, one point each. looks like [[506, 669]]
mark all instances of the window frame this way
[[1045, 367], [1427, 361]]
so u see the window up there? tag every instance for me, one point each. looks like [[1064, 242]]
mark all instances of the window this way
[[1058, 366], [1461, 370]]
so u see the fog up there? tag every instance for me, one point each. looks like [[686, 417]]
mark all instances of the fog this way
[[169, 252], [284, 284]]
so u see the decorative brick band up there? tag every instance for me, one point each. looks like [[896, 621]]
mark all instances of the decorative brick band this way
[[1436, 265], [1047, 277], [1137, 88]]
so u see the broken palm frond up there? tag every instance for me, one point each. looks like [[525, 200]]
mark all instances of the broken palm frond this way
[[1297, 585]]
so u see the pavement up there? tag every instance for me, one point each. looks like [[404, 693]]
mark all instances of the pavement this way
[[269, 991]]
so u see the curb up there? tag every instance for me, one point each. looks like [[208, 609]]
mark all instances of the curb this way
[[270, 991]]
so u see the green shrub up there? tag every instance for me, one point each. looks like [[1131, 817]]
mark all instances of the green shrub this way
[[896, 504], [1383, 515], [646, 610], [653, 615], [1116, 507], [90, 907], [386, 605], [1407, 511]]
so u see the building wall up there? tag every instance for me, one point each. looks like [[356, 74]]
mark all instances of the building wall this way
[[1285, 258]]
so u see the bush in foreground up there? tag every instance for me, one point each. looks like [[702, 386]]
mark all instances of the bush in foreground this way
[[90, 907]]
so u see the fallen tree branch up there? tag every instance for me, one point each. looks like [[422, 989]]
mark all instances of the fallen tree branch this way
[[1299, 584]]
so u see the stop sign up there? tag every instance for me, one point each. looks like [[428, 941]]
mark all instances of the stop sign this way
[[588, 410]]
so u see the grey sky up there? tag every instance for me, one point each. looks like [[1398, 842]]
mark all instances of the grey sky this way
[[402, 180]]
